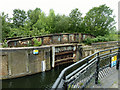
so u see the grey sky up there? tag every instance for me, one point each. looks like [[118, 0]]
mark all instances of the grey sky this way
[[59, 6]]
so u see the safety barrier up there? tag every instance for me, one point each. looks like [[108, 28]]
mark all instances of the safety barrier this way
[[85, 72]]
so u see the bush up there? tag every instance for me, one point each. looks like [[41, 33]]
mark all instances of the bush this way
[[102, 39], [88, 41], [5, 44], [98, 39], [36, 42], [112, 37], [95, 40]]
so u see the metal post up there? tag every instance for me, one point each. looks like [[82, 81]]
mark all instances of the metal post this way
[[52, 39], [118, 59], [42, 38], [65, 83], [97, 69], [68, 39], [60, 39], [110, 57]]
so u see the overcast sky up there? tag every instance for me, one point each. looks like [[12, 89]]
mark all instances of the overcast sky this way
[[59, 6]]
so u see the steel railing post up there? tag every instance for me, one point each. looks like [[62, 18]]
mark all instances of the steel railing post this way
[[118, 59], [110, 57], [65, 83], [97, 69]]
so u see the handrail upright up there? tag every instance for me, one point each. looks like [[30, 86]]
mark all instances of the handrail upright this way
[[118, 59], [110, 57], [97, 68]]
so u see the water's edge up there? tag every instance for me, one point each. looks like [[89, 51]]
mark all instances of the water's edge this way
[[39, 80]]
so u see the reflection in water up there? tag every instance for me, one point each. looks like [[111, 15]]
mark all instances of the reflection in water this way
[[40, 80]]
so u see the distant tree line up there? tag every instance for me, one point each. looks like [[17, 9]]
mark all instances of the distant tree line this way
[[98, 21]]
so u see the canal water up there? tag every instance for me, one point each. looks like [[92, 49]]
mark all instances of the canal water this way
[[40, 80]]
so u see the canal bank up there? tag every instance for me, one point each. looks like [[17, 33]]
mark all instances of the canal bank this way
[[22, 61], [12, 83], [40, 80]]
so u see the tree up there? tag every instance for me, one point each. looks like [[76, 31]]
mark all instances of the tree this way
[[5, 25], [62, 24], [19, 17], [34, 15], [51, 21], [37, 20], [41, 22], [75, 20], [40, 27], [99, 21]]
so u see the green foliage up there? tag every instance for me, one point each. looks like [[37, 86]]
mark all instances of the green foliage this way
[[62, 24], [112, 37], [80, 84], [5, 44], [99, 82], [19, 17], [36, 42], [51, 21], [75, 20], [99, 39], [5, 25], [88, 41], [99, 21], [34, 15]]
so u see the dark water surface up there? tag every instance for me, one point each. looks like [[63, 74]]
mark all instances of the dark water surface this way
[[40, 80]]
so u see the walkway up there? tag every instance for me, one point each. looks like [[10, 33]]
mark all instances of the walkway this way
[[109, 80]]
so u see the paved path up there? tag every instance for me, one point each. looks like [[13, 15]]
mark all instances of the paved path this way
[[109, 81]]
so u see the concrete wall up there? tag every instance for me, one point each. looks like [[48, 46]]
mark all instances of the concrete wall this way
[[95, 47], [18, 62], [105, 44]]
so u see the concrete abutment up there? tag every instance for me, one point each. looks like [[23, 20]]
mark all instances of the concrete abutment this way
[[22, 61]]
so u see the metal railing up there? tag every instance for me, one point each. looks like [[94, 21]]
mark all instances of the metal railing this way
[[85, 72]]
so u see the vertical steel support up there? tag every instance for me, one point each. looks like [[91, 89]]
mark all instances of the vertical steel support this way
[[60, 39], [42, 38], [65, 83], [97, 69], [52, 39], [110, 57], [68, 39], [118, 59]]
